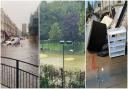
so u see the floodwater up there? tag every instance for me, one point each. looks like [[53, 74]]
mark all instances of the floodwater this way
[[27, 52], [105, 72], [71, 62]]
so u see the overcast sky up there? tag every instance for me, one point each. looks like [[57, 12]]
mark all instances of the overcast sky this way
[[20, 11]]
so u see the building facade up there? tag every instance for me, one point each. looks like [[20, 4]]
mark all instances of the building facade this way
[[8, 28], [24, 29], [106, 5]]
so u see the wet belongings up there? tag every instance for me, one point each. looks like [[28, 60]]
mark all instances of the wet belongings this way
[[116, 41], [97, 37]]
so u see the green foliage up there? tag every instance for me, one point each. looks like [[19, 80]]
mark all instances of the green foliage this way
[[55, 32], [44, 82], [56, 12], [51, 77], [82, 19]]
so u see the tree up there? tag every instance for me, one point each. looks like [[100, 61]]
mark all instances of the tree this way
[[55, 32], [70, 26], [82, 20], [57, 12], [44, 29]]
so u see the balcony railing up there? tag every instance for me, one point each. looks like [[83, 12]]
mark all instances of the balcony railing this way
[[16, 77]]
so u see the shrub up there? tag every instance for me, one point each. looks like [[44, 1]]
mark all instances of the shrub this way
[[51, 77]]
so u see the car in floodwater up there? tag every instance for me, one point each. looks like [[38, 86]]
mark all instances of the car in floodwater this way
[[13, 41]]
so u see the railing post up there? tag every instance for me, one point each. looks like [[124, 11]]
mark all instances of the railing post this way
[[17, 73]]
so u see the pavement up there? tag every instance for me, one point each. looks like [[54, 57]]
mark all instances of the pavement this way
[[106, 72]]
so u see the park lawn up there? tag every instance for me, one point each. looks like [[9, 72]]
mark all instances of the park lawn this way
[[78, 48], [76, 63], [51, 46]]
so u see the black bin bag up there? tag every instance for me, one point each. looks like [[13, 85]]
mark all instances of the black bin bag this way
[[97, 37]]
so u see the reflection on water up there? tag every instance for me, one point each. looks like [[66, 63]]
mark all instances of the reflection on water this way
[[109, 73], [27, 51]]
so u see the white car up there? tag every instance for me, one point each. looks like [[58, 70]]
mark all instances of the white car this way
[[13, 41]]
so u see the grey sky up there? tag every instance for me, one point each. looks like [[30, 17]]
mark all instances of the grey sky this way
[[20, 11]]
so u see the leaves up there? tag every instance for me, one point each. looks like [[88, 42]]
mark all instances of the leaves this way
[[55, 32], [82, 20], [70, 18], [53, 78]]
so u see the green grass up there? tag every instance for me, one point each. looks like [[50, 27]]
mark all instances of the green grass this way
[[52, 46]]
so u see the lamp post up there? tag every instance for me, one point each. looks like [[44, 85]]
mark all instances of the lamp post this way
[[63, 75]]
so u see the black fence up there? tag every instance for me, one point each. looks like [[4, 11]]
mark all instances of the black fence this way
[[12, 76]]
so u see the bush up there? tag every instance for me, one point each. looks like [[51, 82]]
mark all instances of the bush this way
[[51, 77]]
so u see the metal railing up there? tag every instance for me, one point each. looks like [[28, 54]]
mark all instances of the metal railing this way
[[16, 77]]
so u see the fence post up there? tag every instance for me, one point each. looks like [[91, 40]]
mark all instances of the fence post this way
[[17, 73]]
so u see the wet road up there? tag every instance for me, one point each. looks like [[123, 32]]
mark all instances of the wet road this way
[[28, 52], [103, 72]]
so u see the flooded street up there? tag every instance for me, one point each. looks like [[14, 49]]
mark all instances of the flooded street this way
[[19, 44], [27, 52], [103, 72]]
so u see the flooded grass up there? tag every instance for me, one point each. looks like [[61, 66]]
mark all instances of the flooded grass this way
[[71, 62]]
